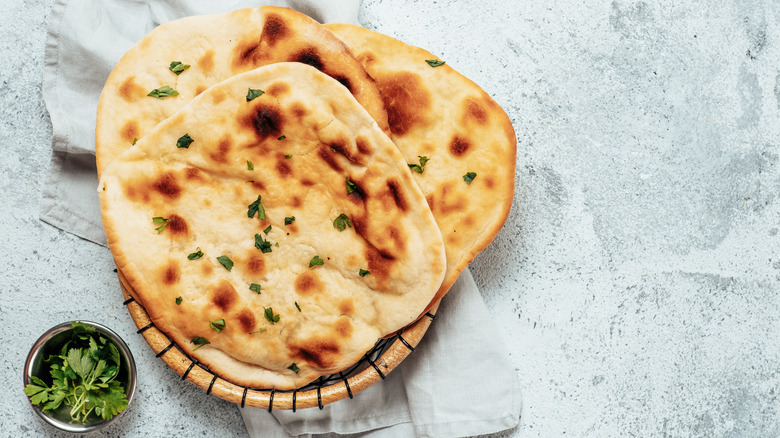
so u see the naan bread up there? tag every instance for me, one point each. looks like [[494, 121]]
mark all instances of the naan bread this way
[[216, 47], [437, 113], [307, 140]]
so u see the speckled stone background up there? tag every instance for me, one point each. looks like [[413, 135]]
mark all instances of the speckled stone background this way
[[636, 280]]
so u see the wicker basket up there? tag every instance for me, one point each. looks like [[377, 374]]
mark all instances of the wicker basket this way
[[385, 356]]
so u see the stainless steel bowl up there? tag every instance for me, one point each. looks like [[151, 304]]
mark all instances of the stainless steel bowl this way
[[50, 343]]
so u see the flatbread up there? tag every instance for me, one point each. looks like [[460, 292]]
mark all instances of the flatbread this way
[[306, 140], [440, 114], [216, 47]]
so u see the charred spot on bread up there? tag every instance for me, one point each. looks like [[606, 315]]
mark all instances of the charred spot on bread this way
[[224, 295], [320, 351], [130, 131], [246, 320], [206, 62], [177, 226], [130, 90], [406, 99], [274, 29], [308, 282], [472, 110], [397, 194], [171, 273], [167, 185], [309, 56], [459, 146]]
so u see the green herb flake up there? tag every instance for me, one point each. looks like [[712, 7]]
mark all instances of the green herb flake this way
[[316, 261], [135, 140], [184, 141], [254, 287], [342, 222], [256, 207], [195, 255], [351, 186], [364, 272], [199, 341], [419, 168], [294, 368], [178, 300], [267, 230], [249, 165], [258, 331], [83, 377], [177, 67], [269, 315], [252, 94], [469, 177], [282, 137], [288, 156], [434, 62], [288, 220], [262, 244], [164, 91], [160, 220], [297, 306], [225, 261], [218, 325]]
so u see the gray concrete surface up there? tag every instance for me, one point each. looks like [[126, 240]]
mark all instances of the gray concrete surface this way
[[636, 280]]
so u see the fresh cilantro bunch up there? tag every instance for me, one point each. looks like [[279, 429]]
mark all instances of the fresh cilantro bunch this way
[[83, 377]]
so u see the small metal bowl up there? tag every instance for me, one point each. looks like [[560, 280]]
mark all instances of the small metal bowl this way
[[50, 343]]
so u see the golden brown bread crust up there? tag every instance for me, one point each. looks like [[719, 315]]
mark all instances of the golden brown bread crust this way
[[440, 114], [305, 137], [216, 47]]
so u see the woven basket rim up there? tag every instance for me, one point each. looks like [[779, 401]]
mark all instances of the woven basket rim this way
[[328, 389]]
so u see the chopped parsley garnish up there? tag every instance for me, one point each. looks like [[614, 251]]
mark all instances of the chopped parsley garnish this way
[[269, 315], [177, 67], [226, 262], [218, 325], [288, 220], [258, 331], [184, 141], [294, 368], [282, 137], [261, 244], [434, 62], [251, 94], [195, 255], [419, 167], [160, 220], [297, 306], [199, 341], [135, 140], [256, 207], [267, 230], [364, 272], [249, 165], [255, 288], [351, 186], [316, 261], [178, 300], [342, 222], [164, 91], [288, 156], [469, 177]]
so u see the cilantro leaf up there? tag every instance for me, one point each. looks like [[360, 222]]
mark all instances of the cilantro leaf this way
[[364, 272], [419, 168], [160, 220], [351, 186], [316, 261], [184, 141], [469, 177], [256, 207], [269, 315], [218, 325], [288, 156], [294, 368], [255, 287], [342, 222], [178, 300], [289, 220], [434, 62], [258, 331], [195, 255], [282, 137], [226, 262], [164, 91], [261, 244], [250, 165], [267, 230], [177, 67], [199, 341], [252, 94], [297, 306]]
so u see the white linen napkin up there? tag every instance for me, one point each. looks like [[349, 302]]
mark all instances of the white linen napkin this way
[[459, 381]]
